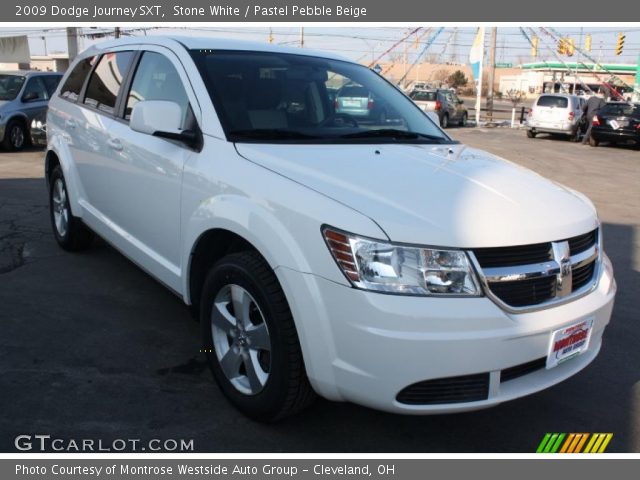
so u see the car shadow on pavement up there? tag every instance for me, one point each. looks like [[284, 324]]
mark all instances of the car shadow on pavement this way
[[94, 348]]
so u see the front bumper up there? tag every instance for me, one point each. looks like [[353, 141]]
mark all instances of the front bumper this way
[[366, 347]]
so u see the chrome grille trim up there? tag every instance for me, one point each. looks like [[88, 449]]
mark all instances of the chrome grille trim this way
[[562, 268]]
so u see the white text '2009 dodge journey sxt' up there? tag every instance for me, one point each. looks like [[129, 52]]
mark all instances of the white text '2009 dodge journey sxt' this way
[[368, 259]]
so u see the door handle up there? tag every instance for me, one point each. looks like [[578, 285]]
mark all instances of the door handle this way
[[70, 123], [115, 144]]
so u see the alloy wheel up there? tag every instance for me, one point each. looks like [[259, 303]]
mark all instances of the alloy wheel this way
[[60, 208], [241, 339]]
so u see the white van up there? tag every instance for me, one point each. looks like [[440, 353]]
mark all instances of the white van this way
[[556, 113], [382, 264]]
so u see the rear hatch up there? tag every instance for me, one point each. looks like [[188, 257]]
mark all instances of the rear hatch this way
[[352, 98], [426, 100], [621, 118], [552, 111]]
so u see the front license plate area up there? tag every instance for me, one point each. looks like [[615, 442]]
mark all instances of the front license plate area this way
[[569, 342]]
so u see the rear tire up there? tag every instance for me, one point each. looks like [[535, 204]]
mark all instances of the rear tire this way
[[531, 134], [69, 231], [463, 120], [261, 373]]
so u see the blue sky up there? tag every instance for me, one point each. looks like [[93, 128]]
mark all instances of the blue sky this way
[[366, 43]]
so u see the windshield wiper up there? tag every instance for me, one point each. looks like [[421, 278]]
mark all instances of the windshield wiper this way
[[270, 134], [395, 134]]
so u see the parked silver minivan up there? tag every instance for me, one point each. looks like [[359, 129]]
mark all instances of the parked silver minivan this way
[[23, 95], [556, 113]]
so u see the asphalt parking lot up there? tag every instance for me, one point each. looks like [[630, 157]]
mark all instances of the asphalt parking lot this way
[[93, 348]]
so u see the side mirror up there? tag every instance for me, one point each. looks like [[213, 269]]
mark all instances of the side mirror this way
[[162, 118], [30, 96]]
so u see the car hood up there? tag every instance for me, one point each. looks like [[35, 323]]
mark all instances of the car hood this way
[[441, 195]]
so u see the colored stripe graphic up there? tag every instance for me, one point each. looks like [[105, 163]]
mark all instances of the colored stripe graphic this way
[[574, 443]]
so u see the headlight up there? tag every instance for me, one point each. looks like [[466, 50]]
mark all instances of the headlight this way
[[387, 267], [36, 124]]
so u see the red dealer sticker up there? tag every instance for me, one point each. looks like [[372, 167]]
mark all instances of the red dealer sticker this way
[[568, 342]]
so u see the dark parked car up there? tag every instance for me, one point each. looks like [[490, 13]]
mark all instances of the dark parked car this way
[[39, 130], [23, 95], [445, 103], [616, 122]]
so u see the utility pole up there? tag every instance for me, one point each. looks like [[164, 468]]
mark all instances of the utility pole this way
[[116, 32], [492, 72], [72, 42], [301, 37]]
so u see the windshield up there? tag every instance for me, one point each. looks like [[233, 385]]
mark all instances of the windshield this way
[[284, 98], [10, 86]]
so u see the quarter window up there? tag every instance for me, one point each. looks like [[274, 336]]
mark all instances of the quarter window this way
[[106, 80], [157, 79]]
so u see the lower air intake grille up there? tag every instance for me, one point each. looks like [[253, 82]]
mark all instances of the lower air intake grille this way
[[522, 369], [467, 388]]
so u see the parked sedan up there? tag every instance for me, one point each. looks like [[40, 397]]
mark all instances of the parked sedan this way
[[616, 122], [23, 95]]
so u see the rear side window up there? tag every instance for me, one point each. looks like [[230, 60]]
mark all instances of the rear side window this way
[[106, 80], [551, 101], [73, 84], [157, 79]]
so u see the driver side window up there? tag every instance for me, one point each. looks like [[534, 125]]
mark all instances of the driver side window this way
[[157, 79], [35, 90]]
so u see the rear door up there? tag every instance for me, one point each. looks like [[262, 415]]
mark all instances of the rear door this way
[[93, 152], [147, 170]]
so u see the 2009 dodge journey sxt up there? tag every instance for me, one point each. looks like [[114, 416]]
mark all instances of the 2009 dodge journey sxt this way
[[370, 259]]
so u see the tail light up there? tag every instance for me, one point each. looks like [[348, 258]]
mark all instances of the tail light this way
[[530, 111], [370, 104], [595, 121], [438, 105], [638, 126], [572, 115]]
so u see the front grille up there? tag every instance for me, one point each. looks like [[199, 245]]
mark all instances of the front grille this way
[[467, 388], [523, 369], [511, 256], [520, 293], [525, 275], [582, 275], [582, 243]]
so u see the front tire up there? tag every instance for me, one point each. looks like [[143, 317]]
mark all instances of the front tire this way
[[69, 231], [250, 339], [15, 136], [531, 134]]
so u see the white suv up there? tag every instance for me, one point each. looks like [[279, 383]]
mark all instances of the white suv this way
[[382, 264]]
